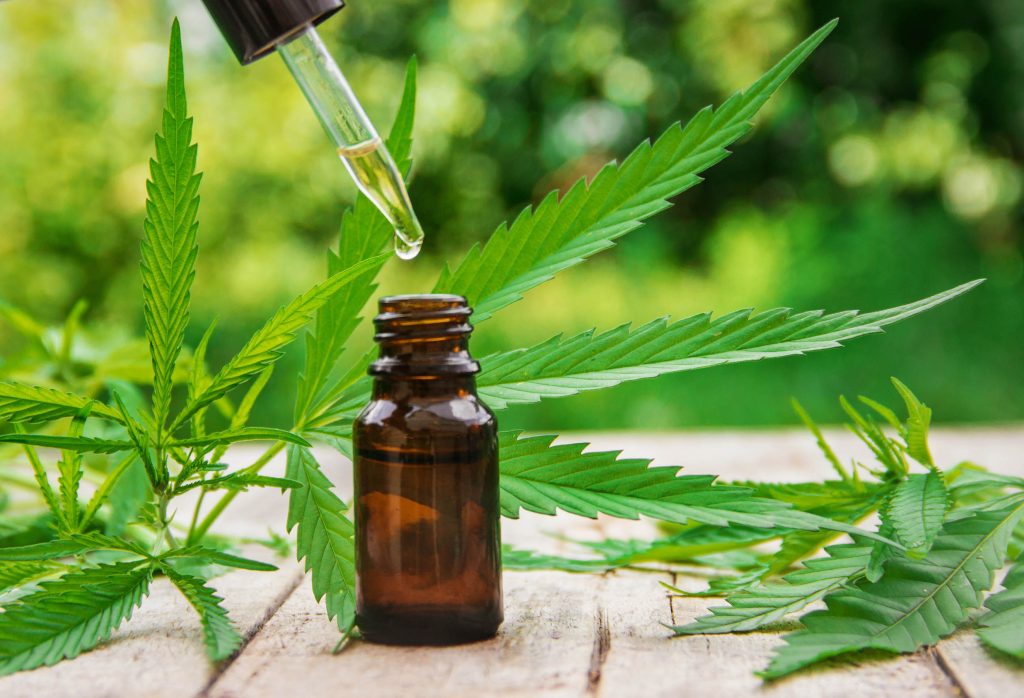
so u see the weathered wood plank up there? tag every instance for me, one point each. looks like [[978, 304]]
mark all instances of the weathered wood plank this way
[[543, 649], [643, 658], [159, 652], [982, 673]]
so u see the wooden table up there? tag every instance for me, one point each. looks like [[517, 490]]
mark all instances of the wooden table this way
[[564, 634]]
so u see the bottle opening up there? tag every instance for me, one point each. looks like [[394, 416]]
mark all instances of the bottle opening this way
[[423, 335]]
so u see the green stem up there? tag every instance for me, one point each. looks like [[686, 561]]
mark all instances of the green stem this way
[[104, 490], [42, 480], [161, 530], [195, 515], [228, 497]]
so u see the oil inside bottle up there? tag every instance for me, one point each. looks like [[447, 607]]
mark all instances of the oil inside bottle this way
[[375, 174], [428, 552]]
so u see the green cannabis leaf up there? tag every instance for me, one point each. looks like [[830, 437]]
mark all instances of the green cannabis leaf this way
[[77, 444], [267, 344], [16, 574], [32, 403], [169, 247], [557, 367], [518, 559], [915, 603], [563, 232], [916, 510], [545, 478], [757, 607], [324, 536], [73, 614]]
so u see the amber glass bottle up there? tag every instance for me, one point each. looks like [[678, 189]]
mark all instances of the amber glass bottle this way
[[428, 548]]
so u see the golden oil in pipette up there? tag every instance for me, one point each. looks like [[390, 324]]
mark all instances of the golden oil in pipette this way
[[377, 178]]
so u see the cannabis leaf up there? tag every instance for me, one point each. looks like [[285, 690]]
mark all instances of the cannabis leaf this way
[[692, 544], [266, 346], [561, 233], [916, 510], [80, 444], [520, 559], [759, 606], [15, 574], [558, 367], [69, 469], [219, 634], [916, 602], [68, 616], [72, 544], [1000, 628], [544, 478], [915, 432], [32, 403], [240, 481], [324, 536], [169, 245], [209, 556], [238, 434]]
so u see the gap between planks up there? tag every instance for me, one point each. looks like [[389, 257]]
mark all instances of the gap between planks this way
[[252, 632]]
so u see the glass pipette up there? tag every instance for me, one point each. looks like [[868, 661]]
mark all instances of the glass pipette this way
[[361, 149], [255, 28]]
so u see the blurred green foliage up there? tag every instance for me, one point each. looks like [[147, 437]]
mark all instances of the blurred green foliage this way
[[890, 168]]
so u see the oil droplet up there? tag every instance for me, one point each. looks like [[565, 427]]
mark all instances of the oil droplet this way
[[377, 177], [406, 250]]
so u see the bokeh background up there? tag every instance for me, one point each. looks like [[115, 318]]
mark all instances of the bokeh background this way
[[888, 169]]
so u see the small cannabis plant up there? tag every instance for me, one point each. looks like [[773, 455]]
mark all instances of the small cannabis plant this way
[[78, 570]]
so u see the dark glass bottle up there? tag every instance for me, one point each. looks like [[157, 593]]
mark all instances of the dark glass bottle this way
[[428, 547]]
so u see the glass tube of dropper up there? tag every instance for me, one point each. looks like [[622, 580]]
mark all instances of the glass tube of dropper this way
[[360, 148]]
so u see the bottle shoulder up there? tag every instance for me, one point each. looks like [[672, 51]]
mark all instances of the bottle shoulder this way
[[421, 413]]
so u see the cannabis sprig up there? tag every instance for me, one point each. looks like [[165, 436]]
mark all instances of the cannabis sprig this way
[[82, 607]]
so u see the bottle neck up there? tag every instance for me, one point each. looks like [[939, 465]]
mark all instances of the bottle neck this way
[[424, 339]]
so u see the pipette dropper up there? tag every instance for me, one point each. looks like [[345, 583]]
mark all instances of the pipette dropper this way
[[254, 28]]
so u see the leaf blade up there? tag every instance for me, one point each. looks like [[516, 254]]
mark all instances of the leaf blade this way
[[70, 615], [588, 361], [589, 217], [169, 244], [324, 539], [757, 607], [20, 402]]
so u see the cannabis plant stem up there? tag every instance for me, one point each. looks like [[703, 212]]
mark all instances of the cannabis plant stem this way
[[104, 490], [195, 515], [223, 502]]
